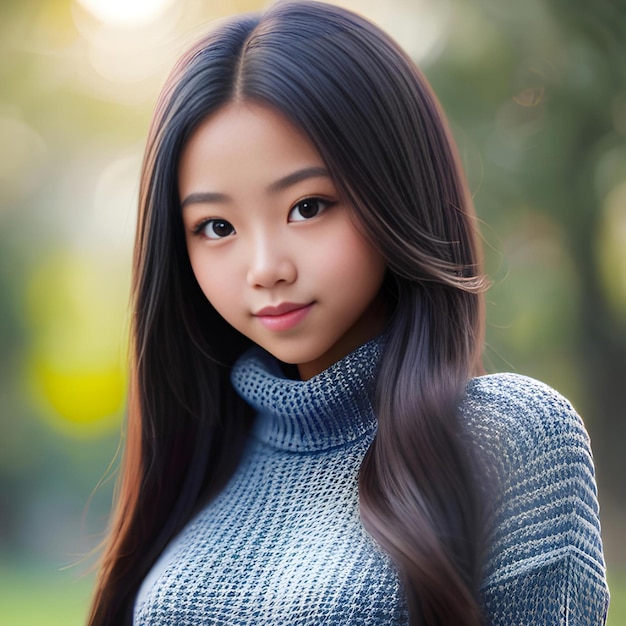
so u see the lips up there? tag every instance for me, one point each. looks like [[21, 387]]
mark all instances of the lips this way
[[281, 309], [283, 316]]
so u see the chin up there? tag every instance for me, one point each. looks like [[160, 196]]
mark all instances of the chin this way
[[295, 354]]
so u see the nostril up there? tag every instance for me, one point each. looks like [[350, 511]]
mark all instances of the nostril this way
[[270, 271]]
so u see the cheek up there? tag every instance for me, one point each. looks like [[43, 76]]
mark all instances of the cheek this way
[[216, 284], [353, 263]]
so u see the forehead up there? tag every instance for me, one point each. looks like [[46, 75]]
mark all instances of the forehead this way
[[251, 139]]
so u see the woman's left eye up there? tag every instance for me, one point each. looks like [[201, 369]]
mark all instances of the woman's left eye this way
[[307, 209]]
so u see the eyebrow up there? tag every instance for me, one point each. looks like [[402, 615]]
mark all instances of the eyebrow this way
[[296, 177], [209, 197], [204, 197]]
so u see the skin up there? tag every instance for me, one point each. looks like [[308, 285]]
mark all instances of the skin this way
[[265, 225]]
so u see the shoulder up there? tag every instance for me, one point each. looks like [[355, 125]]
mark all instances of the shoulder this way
[[521, 418], [536, 459]]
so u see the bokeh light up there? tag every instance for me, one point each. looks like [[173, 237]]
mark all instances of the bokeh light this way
[[76, 363], [611, 247], [126, 12]]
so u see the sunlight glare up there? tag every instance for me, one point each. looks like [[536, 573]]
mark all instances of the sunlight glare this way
[[125, 12]]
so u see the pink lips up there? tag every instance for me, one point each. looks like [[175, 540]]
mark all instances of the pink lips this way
[[284, 316]]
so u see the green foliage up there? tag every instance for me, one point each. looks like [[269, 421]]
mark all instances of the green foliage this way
[[617, 609], [34, 595]]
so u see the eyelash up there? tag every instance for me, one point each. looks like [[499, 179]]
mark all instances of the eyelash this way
[[321, 204], [201, 228]]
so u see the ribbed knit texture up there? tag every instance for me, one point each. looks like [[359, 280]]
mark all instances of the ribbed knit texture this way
[[283, 544], [545, 564]]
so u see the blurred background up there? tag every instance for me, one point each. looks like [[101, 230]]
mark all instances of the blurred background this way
[[536, 95]]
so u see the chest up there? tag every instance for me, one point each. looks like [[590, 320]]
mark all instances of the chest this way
[[282, 544]]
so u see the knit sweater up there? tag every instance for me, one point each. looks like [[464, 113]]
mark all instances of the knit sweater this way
[[283, 543]]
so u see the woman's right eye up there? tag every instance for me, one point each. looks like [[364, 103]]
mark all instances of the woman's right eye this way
[[215, 229]]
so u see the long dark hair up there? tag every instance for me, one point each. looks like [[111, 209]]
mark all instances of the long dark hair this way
[[375, 122]]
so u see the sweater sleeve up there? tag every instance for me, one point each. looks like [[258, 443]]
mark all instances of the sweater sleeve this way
[[544, 564]]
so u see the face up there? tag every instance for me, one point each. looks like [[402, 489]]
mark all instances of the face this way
[[273, 246]]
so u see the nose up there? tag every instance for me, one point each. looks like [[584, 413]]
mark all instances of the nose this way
[[270, 263]]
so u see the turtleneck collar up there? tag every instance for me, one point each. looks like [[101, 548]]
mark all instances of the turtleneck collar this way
[[331, 409]]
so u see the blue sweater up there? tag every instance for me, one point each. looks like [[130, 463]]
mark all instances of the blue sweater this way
[[283, 543]]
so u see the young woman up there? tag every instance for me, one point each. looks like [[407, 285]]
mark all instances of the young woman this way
[[309, 440]]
